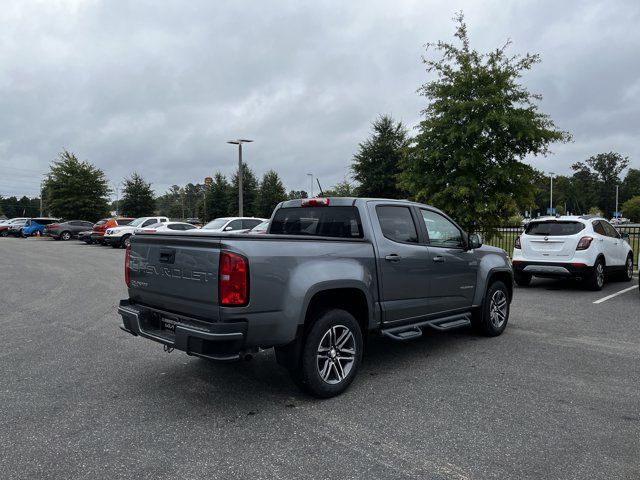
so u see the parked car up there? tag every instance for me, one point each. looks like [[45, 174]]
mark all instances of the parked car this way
[[15, 230], [86, 236], [35, 226], [162, 226], [195, 222], [97, 235], [233, 224], [260, 229], [338, 269], [6, 225], [118, 236], [67, 230], [619, 221], [585, 247]]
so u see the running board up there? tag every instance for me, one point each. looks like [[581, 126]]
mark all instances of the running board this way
[[414, 330]]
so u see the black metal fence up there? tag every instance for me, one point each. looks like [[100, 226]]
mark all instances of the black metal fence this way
[[505, 236]]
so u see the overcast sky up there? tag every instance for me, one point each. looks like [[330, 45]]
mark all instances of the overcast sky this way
[[160, 86]]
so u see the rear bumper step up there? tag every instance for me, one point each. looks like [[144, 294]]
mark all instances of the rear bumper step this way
[[409, 332], [221, 341]]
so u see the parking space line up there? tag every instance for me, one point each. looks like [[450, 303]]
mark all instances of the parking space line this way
[[609, 297]]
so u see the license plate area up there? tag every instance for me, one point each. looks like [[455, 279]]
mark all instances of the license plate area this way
[[168, 325]]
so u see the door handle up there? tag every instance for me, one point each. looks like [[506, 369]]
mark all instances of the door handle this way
[[438, 259], [393, 258]]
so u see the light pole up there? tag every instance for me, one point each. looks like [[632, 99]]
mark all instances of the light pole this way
[[239, 142], [615, 214], [551, 174], [311, 175], [117, 189]]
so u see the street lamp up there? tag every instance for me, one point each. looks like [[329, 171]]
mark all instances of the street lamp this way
[[551, 174], [311, 175], [116, 187], [239, 142]]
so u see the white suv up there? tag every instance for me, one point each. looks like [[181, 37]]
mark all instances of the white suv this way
[[586, 247], [119, 237]]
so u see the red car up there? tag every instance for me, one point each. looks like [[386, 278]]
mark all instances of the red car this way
[[100, 227]]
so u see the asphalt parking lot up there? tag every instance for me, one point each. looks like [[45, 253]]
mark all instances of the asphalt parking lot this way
[[556, 396]]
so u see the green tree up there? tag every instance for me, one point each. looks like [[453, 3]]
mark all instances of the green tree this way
[[249, 192], [296, 194], [217, 198], [170, 204], [604, 169], [630, 186], [631, 209], [271, 193], [479, 124], [75, 189], [376, 165], [137, 197], [342, 189]]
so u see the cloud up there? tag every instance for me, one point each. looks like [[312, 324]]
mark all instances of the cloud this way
[[159, 87]]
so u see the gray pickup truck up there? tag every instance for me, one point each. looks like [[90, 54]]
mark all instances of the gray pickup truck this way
[[330, 271]]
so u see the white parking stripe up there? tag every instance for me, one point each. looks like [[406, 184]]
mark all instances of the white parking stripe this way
[[609, 297]]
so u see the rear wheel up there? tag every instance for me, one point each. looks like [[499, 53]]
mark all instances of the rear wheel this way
[[331, 354], [595, 281], [66, 236], [493, 318], [3, 233], [522, 279]]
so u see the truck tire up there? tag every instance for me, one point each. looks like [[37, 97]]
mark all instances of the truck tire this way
[[494, 316], [330, 355], [595, 281], [522, 279]]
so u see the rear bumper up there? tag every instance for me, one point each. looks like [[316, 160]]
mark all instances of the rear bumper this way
[[552, 269], [216, 341]]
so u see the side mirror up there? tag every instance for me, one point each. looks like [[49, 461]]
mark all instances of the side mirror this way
[[625, 236], [226, 229], [474, 241]]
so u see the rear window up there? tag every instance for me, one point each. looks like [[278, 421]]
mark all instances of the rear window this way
[[554, 228], [340, 222]]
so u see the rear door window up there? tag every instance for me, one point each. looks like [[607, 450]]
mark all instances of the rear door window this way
[[554, 228], [339, 222], [249, 224], [397, 224]]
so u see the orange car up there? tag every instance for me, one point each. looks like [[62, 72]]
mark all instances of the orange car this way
[[98, 230]]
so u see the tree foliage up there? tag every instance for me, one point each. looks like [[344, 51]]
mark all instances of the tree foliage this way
[[631, 209], [376, 165], [295, 194], [75, 189], [479, 123], [24, 207], [630, 186], [250, 192], [603, 172], [271, 193], [342, 189], [217, 198], [137, 197]]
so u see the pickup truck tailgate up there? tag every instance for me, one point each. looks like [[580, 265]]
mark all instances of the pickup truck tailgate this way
[[175, 273]]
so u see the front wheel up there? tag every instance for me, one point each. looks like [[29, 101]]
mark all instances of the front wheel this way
[[126, 241], [627, 275], [331, 354], [493, 318]]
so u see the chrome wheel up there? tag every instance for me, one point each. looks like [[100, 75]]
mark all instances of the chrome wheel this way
[[66, 236], [336, 354], [629, 268], [498, 309], [600, 274], [126, 242]]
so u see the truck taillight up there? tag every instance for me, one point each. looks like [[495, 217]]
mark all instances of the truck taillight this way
[[233, 280], [127, 274], [315, 202], [584, 243], [517, 243]]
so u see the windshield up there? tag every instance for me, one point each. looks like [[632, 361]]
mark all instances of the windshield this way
[[342, 222], [135, 223], [216, 224], [554, 228]]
